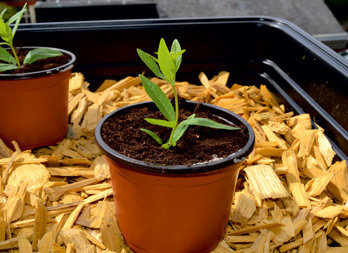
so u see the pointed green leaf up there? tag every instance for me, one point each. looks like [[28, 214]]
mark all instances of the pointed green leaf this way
[[160, 122], [165, 61], [177, 54], [159, 98], [180, 130], [39, 54], [2, 14], [207, 123], [18, 15], [6, 56], [150, 62], [153, 135], [175, 46], [5, 67], [5, 32], [17, 19], [174, 49]]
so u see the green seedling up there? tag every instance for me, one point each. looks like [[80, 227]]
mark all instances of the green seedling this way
[[166, 67], [7, 35]]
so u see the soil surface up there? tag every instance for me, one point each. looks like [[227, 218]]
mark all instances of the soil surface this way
[[39, 65], [198, 144]]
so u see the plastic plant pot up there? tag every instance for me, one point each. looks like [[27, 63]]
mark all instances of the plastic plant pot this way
[[174, 208], [34, 106]]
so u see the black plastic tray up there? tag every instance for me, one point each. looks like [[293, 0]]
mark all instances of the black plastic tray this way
[[310, 77]]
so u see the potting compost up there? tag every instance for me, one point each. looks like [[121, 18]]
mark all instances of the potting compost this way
[[292, 194]]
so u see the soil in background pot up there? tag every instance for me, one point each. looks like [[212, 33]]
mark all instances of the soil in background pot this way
[[198, 144], [39, 65]]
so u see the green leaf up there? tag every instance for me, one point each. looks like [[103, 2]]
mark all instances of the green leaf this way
[[5, 32], [17, 17], [159, 98], [153, 135], [5, 67], [207, 123], [150, 62], [166, 63], [175, 46], [174, 49], [6, 56], [160, 122], [177, 54], [180, 130], [2, 14], [39, 54]]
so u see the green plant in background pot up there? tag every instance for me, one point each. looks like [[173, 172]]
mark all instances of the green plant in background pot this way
[[173, 195], [7, 35], [33, 89]]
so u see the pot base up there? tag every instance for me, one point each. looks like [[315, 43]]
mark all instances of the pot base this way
[[164, 213]]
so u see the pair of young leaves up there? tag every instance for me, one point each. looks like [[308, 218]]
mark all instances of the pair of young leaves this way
[[7, 34], [165, 67]]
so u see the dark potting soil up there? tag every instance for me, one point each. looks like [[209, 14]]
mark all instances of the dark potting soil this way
[[39, 65], [198, 144]]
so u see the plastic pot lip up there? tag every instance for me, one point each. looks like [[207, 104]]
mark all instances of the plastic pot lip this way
[[176, 169], [46, 72]]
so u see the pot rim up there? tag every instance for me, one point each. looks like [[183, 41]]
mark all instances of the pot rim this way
[[177, 169], [46, 72]]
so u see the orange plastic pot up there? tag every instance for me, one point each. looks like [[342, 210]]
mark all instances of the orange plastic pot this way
[[34, 106], [174, 209]]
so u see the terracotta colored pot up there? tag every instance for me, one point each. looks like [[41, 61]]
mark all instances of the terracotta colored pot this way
[[34, 106], [174, 208]]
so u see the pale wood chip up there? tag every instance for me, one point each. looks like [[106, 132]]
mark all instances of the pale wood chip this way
[[255, 228], [92, 215], [307, 142], [101, 168], [5, 152], [72, 217], [55, 193], [273, 152], [337, 250], [71, 171], [285, 232], [299, 194], [290, 161], [78, 114], [106, 84], [244, 207], [325, 148], [77, 237], [92, 117], [76, 83], [265, 182], [94, 240], [110, 233], [73, 103], [40, 223], [334, 235], [272, 137], [307, 231], [329, 212], [24, 245], [338, 185], [318, 185]]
